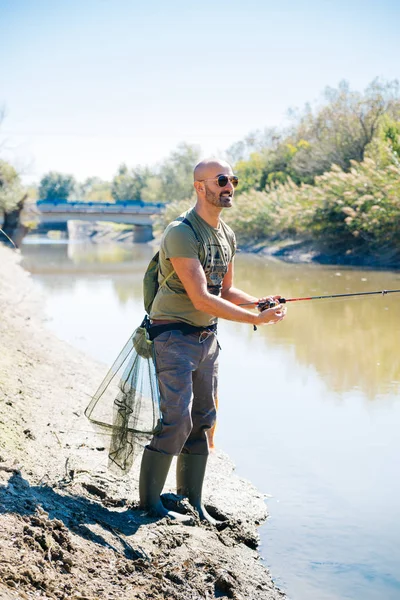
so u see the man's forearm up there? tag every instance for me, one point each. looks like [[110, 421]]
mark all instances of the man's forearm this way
[[237, 296], [225, 309]]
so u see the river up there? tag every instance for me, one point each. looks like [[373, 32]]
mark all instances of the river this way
[[309, 409]]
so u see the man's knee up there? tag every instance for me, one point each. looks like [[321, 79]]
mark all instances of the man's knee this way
[[184, 430], [173, 435], [205, 419]]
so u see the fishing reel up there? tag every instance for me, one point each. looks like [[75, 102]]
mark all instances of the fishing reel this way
[[270, 304]]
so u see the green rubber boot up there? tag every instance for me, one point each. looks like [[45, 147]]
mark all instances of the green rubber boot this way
[[190, 471], [153, 473]]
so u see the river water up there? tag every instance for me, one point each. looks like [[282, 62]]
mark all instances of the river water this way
[[309, 408]]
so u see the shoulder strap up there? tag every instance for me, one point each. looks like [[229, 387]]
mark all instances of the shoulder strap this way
[[166, 279], [187, 222]]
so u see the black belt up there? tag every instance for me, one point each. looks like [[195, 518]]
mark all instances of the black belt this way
[[185, 328]]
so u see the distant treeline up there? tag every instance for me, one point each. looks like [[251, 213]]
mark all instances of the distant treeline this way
[[171, 180], [332, 176]]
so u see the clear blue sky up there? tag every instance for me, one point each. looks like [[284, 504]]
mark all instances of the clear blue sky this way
[[89, 84]]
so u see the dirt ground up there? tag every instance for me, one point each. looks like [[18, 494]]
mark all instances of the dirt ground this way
[[71, 530]]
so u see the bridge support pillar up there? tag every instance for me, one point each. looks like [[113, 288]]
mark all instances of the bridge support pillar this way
[[44, 228], [142, 233]]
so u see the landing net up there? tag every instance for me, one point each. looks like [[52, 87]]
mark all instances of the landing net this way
[[127, 402]]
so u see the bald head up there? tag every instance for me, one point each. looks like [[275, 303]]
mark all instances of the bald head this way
[[215, 184], [211, 167]]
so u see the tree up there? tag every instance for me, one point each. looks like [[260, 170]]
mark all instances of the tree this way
[[11, 190], [56, 186], [129, 184], [94, 189], [250, 172], [340, 131], [174, 179], [171, 181], [270, 166], [385, 147], [255, 142], [336, 132], [12, 199], [153, 191]]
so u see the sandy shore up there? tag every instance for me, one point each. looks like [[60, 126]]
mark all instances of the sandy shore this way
[[71, 530]]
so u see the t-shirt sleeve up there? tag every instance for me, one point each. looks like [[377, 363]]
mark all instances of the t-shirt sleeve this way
[[179, 242], [234, 245]]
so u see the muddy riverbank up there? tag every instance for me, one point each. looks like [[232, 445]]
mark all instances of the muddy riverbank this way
[[68, 528], [307, 251]]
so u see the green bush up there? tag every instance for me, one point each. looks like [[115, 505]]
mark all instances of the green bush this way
[[172, 211], [355, 212], [11, 190], [272, 214], [358, 212]]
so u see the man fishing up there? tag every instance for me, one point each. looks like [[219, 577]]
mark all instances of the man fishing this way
[[196, 288]]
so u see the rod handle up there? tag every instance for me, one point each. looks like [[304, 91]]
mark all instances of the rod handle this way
[[268, 304]]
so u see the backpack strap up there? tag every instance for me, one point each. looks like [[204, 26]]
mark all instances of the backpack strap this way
[[187, 222], [166, 279]]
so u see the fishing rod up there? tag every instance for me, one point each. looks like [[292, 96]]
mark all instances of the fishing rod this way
[[270, 304]]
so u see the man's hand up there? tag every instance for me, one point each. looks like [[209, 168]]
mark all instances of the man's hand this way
[[267, 302], [269, 316], [191, 274]]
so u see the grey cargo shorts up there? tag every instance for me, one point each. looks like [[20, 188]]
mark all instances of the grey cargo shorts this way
[[187, 370]]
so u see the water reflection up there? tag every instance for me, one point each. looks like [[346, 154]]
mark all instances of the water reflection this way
[[52, 262], [353, 342], [84, 257]]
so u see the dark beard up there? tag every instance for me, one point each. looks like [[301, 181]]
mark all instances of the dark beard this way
[[217, 200]]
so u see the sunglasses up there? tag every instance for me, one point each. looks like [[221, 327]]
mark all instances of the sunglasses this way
[[222, 180]]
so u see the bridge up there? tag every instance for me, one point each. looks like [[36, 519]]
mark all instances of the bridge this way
[[55, 214]]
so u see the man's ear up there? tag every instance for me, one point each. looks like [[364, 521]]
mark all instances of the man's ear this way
[[199, 186]]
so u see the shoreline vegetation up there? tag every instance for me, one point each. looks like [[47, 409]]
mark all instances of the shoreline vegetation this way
[[69, 529], [329, 182]]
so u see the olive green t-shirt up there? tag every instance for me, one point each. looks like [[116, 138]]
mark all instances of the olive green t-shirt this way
[[214, 247]]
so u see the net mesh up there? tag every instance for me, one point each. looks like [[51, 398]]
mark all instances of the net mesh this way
[[127, 402]]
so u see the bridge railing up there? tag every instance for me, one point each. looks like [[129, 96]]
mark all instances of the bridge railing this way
[[132, 206]]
